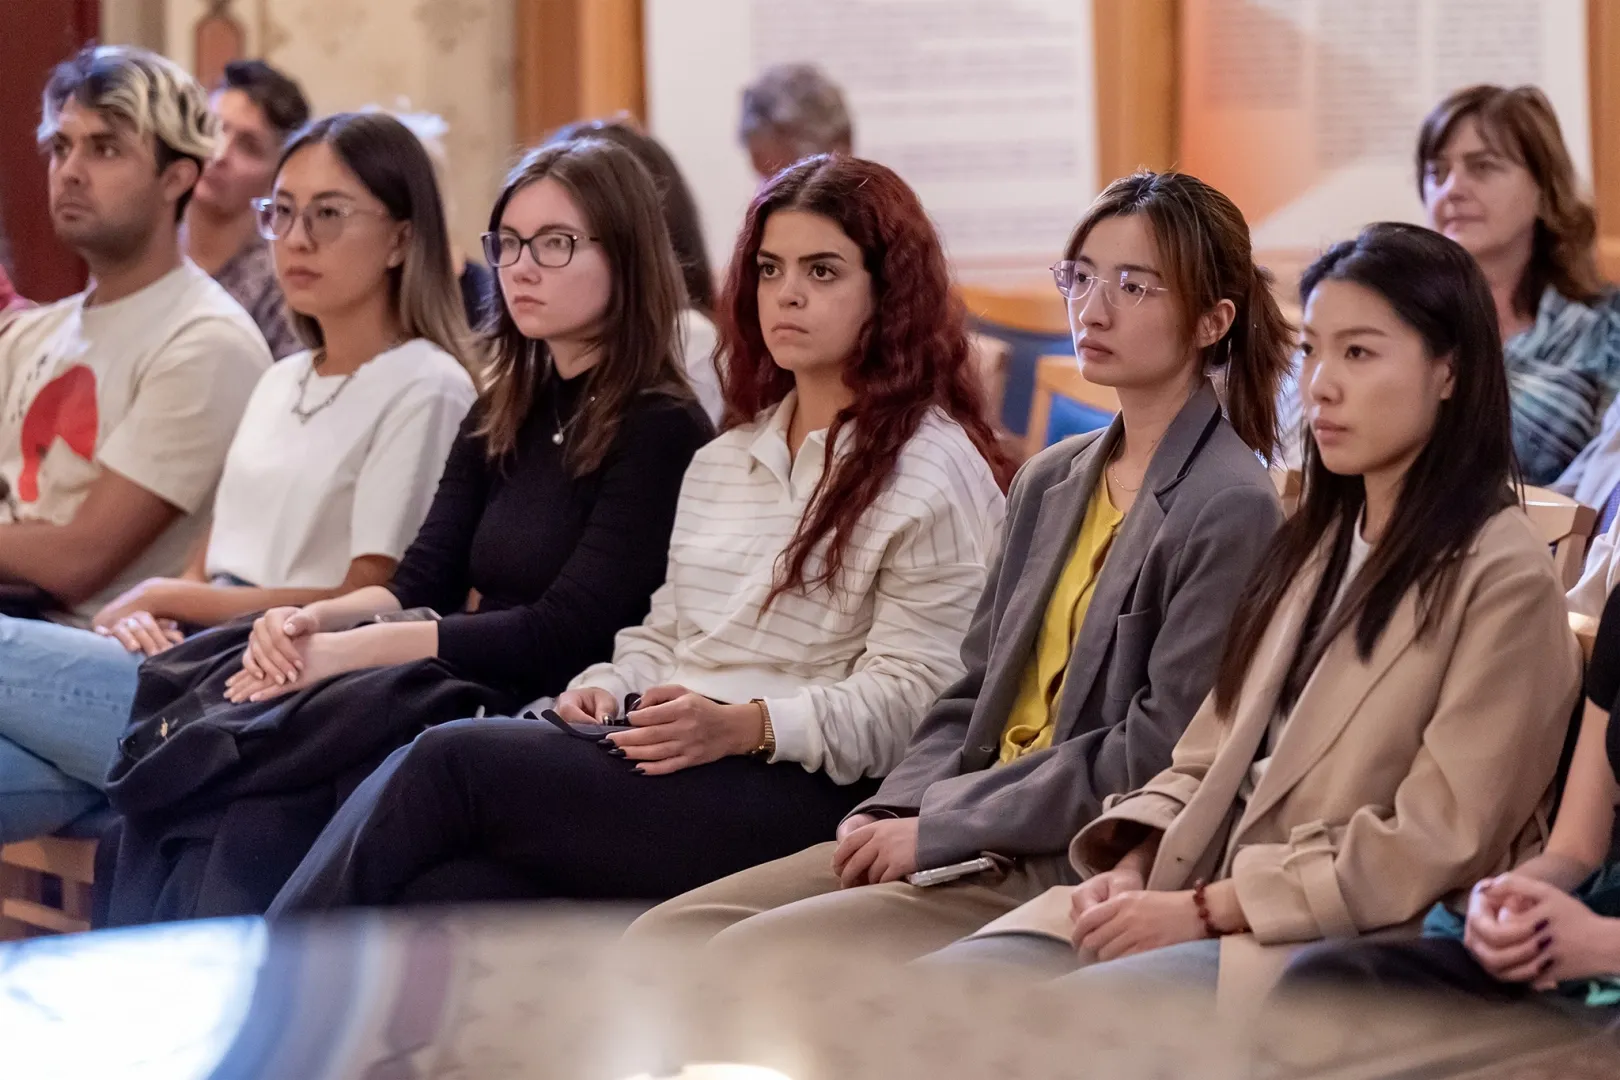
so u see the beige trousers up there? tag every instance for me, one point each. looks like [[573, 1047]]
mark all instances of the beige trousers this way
[[798, 898]]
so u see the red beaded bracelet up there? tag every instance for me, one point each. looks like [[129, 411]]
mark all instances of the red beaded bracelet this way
[[1201, 902]]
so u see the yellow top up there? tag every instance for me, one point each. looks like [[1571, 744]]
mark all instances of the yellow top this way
[[1031, 721]]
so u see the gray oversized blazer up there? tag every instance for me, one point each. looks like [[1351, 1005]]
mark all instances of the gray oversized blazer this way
[[1143, 661]]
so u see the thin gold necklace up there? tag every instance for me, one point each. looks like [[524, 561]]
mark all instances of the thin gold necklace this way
[[1115, 476]]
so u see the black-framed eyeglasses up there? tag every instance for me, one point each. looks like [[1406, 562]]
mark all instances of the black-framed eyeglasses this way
[[550, 248], [1075, 282], [324, 222]]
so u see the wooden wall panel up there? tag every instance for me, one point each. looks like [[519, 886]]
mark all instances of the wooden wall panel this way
[[577, 59], [613, 60], [547, 66], [1137, 67], [1603, 55], [37, 34]]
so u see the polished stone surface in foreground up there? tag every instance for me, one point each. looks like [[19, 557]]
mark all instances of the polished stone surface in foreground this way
[[546, 993]]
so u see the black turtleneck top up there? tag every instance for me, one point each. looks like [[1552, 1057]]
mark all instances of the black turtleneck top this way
[[560, 564]]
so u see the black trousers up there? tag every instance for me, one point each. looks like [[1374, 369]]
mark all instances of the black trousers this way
[[1441, 966], [494, 809], [1427, 964]]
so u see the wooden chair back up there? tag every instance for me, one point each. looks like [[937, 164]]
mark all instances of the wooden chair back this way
[[990, 356], [27, 906], [1288, 483], [1566, 525], [1060, 376]]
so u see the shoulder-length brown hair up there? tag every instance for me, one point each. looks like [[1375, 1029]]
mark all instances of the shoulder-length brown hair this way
[[639, 336], [1204, 242], [389, 162], [913, 355], [1520, 125]]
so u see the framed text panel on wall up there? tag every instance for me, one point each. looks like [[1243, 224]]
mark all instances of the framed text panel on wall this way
[[1306, 112], [986, 107]]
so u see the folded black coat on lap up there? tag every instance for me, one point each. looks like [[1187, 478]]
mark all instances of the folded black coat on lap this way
[[218, 803]]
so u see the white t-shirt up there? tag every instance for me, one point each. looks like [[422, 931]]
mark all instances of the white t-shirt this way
[[150, 386], [699, 337], [300, 500]]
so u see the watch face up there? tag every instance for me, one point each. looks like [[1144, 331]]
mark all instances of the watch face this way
[[420, 614]]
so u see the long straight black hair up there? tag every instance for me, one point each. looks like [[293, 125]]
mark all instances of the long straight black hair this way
[[1464, 475]]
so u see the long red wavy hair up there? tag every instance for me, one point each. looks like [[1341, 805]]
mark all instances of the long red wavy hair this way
[[913, 355]]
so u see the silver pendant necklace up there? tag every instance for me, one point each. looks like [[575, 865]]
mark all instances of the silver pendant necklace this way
[[305, 415], [561, 434]]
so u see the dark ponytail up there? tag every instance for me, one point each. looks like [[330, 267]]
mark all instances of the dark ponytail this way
[[1258, 350]]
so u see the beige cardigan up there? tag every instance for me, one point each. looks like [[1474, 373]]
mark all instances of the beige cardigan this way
[[1395, 783]]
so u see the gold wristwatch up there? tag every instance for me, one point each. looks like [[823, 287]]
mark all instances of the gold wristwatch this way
[[767, 737]]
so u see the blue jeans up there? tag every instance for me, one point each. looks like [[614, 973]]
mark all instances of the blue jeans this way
[[65, 697]]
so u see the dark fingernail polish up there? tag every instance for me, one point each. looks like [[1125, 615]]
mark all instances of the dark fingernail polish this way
[[1542, 925], [639, 771], [615, 751], [1541, 946]]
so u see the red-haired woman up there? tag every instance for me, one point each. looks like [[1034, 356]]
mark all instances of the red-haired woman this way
[[827, 554]]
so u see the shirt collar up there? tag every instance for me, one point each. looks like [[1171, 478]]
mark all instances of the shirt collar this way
[[769, 447]]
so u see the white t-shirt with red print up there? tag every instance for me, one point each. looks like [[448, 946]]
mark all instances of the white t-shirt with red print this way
[[151, 386]]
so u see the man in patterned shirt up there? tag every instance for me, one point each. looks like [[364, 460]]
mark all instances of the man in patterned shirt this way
[[258, 108]]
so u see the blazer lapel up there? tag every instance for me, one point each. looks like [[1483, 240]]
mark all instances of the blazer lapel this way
[[1331, 697], [1117, 582], [1063, 509], [1195, 840]]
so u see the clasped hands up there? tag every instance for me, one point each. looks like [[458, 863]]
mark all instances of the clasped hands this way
[[1523, 930], [285, 652], [1114, 914]]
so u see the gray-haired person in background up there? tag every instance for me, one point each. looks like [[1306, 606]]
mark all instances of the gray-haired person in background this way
[[791, 112]]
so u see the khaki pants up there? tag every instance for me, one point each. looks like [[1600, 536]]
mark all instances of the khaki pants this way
[[798, 898]]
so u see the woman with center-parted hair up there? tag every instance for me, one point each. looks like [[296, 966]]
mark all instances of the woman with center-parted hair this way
[[1396, 684], [827, 552], [1495, 175]]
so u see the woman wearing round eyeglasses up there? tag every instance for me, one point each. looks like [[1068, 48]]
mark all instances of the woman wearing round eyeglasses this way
[[559, 495], [1100, 630], [333, 465]]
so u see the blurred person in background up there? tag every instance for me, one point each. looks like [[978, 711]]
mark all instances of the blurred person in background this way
[[477, 281], [258, 108], [1496, 177], [10, 300], [791, 112], [698, 334]]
